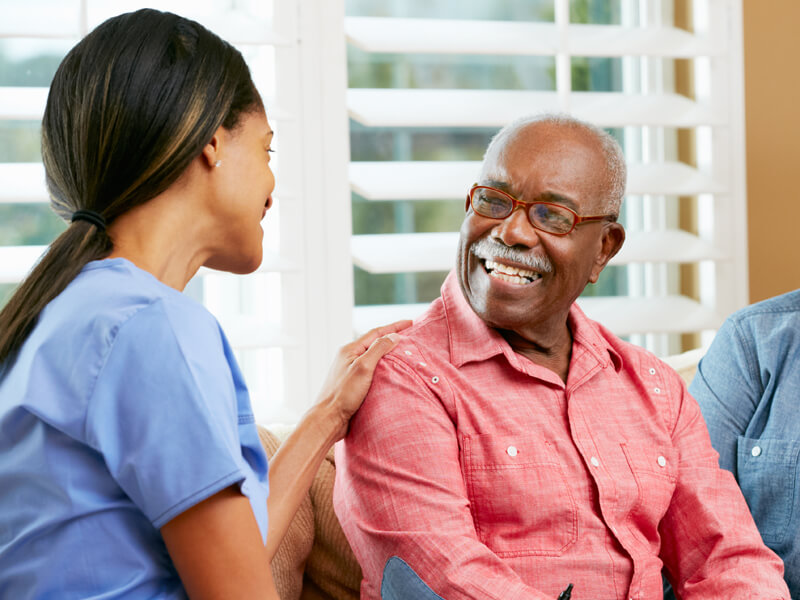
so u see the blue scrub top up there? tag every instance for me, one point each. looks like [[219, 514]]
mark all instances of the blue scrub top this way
[[123, 408]]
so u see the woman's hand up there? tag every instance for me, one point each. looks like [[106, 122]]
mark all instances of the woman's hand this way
[[292, 468], [351, 373]]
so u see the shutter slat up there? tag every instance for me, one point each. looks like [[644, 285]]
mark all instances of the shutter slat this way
[[622, 315], [474, 37], [451, 180], [495, 108], [430, 252], [22, 182], [22, 103]]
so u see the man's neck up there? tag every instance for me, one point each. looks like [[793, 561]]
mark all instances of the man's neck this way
[[553, 354]]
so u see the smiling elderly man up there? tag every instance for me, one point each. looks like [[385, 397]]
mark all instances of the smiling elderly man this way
[[509, 446]]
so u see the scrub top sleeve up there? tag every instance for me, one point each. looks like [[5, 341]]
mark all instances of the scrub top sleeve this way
[[166, 425]]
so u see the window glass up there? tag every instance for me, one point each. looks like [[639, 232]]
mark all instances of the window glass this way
[[20, 141], [31, 62]]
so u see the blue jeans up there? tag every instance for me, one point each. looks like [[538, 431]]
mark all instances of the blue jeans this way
[[400, 582]]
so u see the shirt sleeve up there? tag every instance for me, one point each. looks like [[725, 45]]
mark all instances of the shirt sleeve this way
[[399, 491], [163, 414], [728, 390], [710, 545]]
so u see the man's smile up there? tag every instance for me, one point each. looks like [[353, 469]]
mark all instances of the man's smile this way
[[510, 273]]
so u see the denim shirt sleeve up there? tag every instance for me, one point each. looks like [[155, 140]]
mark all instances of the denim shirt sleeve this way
[[727, 390], [748, 386]]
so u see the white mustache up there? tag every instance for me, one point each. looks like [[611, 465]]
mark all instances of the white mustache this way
[[490, 249]]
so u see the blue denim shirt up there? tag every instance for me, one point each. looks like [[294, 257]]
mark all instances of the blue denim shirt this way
[[748, 387]]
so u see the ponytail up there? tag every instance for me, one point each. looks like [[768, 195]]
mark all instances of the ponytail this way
[[80, 244]]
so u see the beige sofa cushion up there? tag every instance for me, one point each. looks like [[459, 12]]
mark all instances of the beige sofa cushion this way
[[314, 561], [685, 363]]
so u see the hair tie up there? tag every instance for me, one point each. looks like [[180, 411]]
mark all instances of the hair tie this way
[[94, 218]]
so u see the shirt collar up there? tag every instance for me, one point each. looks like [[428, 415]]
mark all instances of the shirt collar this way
[[472, 340]]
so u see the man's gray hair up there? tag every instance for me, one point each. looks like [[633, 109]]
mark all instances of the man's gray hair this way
[[616, 170]]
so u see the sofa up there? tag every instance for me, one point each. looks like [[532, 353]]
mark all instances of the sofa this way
[[314, 561]]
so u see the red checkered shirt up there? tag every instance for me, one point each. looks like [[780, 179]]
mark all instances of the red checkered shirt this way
[[493, 479]]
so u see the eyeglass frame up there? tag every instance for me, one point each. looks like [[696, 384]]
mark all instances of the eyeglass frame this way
[[578, 219]]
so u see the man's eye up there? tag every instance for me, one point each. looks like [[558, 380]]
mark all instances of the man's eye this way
[[493, 204]]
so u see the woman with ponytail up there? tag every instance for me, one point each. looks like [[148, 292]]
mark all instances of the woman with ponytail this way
[[130, 466]]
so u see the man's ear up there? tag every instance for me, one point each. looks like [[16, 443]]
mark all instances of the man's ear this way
[[212, 151], [612, 239]]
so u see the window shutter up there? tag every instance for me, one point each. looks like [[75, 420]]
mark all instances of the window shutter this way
[[645, 109]]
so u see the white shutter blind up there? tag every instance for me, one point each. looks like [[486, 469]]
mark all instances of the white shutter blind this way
[[642, 107], [284, 321]]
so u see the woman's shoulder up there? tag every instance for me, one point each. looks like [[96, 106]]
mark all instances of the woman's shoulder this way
[[108, 294]]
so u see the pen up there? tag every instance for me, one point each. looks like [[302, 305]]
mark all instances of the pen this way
[[566, 594]]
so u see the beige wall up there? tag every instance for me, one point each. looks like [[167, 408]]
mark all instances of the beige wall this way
[[772, 109]]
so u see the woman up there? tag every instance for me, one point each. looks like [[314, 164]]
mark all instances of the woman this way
[[130, 465]]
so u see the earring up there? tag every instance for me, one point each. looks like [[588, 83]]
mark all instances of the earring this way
[[218, 163]]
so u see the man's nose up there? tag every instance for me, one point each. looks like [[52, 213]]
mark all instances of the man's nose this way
[[516, 230]]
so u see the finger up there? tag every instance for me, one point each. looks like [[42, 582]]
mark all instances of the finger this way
[[369, 359], [365, 341]]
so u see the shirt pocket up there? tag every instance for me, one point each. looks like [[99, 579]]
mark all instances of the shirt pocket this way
[[767, 472], [654, 470], [519, 495]]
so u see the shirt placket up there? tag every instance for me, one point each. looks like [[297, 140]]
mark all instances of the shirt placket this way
[[580, 416]]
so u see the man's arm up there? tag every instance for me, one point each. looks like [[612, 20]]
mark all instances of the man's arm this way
[[400, 492], [710, 545], [728, 390]]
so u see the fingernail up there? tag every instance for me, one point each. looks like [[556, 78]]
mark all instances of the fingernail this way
[[394, 337]]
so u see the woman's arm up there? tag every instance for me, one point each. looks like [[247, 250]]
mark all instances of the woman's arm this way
[[216, 545], [217, 549], [294, 465]]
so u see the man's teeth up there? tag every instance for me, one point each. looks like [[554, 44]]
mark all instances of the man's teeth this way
[[511, 274]]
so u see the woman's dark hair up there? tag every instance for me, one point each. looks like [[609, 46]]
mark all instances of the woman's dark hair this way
[[129, 108]]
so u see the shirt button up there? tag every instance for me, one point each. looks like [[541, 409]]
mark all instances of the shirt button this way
[[407, 352], [422, 364], [512, 450], [435, 379], [657, 390], [756, 451], [652, 371], [662, 462], [594, 461]]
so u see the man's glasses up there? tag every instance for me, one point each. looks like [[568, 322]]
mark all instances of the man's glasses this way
[[553, 218]]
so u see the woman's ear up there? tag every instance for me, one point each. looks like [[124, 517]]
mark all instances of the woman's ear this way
[[212, 151]]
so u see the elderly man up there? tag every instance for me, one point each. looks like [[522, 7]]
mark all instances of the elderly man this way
[[509, 446]]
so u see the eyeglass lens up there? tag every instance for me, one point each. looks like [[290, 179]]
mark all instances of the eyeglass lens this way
[[496, 205]]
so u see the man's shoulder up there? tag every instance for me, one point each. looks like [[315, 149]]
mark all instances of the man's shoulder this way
[[427, 337], [786, 306], [634, 359]]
